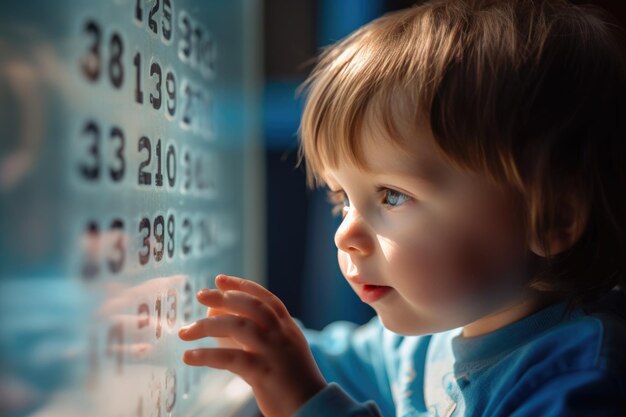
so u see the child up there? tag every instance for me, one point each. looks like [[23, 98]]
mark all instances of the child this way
[[476, 152]]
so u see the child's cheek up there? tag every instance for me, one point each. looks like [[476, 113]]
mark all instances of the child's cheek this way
[[441, 270], [420, 274]]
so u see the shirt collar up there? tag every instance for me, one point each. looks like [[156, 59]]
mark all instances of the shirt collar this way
[[507, 338]]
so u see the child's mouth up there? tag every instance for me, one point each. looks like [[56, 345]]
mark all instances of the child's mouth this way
[[371, 293]]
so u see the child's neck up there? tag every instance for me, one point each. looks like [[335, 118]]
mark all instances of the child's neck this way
[[516, 311]]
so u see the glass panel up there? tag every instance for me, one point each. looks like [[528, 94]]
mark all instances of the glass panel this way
[[129, 177]]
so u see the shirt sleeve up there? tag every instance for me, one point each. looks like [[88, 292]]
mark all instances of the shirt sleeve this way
[[333, 401], [579, 393], [355, 358]]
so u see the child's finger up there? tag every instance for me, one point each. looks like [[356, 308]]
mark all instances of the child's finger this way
[[240, 303], [225, 342], [227, 282], [245, 364], [243, 330], [212, 311]]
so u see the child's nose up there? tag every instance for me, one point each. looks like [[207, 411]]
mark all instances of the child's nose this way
[[353, 235]]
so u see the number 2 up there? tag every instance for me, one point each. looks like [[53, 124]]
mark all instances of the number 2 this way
[[151, 22], [144, 178]]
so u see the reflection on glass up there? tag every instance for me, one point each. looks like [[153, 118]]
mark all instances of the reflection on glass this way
[[127, 138]]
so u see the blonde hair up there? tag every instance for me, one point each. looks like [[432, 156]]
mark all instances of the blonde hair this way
[[530, 94]]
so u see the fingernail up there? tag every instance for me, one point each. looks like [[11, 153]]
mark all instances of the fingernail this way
[[204, 291], [190, 354]]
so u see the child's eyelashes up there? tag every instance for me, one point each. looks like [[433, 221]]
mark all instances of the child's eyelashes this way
[[388, 197], [339, 201], [393, 198]]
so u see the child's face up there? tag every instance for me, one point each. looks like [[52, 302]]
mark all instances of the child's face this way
[[444, 247]]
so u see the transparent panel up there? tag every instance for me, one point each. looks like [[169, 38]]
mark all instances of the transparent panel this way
[[130, 176]]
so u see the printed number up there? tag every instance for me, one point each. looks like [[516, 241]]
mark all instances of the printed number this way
[[159, 236], [170, 236], [185, 42], [117, 173], [91, 62], [144, 226], [113, 350], [144, 315], [144, 178], [188, 97], [151, 22], [144, 175], [155, 394], [90, 169], [170, 161], [159, 173], [202, 235], [170, 87], [166, 21], [198, 172], [187, 233], [157, 310], [172, 307], [166, 17], [196, 46], [196, 110], [91, 243], [156, 74], [163, 237], [170, 388], [155, 100], [138, 91], [206, 229], [116, 261], [115, 254], [188, 302], [187, 170], [116, 69], [138, 11]]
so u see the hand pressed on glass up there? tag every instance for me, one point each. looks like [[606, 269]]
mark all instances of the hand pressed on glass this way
[[263, 345]]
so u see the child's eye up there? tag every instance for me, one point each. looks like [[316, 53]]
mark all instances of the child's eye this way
[[339, 200], [393, 198]]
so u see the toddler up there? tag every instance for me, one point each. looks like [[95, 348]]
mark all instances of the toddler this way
[[476, 151]]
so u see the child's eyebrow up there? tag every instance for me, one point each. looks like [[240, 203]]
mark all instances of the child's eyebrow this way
[[422, 172], [425, 182]]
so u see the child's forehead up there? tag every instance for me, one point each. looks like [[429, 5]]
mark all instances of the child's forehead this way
[[415, 153], [385, 159]]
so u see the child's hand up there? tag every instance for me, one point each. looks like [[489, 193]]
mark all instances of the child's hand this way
[[274, 357]]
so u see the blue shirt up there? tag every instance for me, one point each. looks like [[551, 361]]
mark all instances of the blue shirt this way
[[554, 362]]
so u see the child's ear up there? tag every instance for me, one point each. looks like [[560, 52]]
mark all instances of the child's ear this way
[[573, 219]]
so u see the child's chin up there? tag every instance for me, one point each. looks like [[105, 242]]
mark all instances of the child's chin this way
[[407, 325]]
